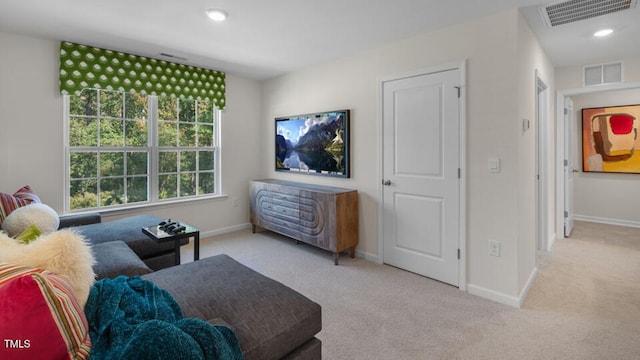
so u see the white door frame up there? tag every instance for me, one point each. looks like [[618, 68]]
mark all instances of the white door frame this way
[[561, 95], [462, 240], [542, 164]]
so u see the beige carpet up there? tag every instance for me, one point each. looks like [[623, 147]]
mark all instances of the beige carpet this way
[[585, 302]]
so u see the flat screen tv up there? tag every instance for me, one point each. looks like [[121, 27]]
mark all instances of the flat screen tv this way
[[316, 144]]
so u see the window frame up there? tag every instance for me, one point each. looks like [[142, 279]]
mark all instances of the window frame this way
[[153, 150]]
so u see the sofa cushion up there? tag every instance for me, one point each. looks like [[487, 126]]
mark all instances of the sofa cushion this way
[[129, 230], [22, 197], [270, 319], [40, 316], [115, 258]]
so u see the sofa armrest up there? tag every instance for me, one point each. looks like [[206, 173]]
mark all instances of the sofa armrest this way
[[81, 219]]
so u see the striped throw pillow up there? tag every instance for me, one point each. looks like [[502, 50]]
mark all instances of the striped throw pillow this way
[[40, 317], [8, 203]]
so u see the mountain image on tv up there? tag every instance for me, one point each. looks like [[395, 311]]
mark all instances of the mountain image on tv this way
[[312, 143]]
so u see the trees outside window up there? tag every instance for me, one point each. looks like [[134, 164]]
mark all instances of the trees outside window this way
[[127, 149]]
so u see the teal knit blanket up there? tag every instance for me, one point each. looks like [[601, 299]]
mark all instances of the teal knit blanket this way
[[132, 318]]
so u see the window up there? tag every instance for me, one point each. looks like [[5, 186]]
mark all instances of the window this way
[[126, 149]]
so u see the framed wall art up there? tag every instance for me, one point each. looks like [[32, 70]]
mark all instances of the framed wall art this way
[[610, 141]]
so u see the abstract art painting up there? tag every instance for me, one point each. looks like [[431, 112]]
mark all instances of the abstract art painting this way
[[610, 141]]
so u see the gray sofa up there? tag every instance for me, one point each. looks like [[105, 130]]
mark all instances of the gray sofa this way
[[271, 320]]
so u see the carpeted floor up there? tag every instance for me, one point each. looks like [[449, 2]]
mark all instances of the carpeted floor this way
[[584, 304]]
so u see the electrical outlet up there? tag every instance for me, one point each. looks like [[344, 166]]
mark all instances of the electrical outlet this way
[[235, 202], [494, 248]]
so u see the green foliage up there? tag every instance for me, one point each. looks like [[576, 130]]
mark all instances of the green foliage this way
[[104, 173]]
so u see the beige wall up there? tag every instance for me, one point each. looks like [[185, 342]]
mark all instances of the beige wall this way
[[32, 137], [601, 197], [532, 63], [494, 107], [604, 197]]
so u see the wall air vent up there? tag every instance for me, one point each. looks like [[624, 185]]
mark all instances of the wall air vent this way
[[575, 10], [603, 74]]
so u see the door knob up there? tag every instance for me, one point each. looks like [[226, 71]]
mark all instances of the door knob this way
[[386, 182]]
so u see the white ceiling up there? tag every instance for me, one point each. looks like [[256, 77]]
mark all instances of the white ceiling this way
[[266, 38]]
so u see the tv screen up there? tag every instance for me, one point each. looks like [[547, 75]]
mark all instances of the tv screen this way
[[316, 144]]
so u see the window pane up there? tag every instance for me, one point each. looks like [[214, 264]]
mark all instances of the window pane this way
[[167, 134], [83, 132], [187, 110], [136, 133], [83, 165], [206, 183], [168, 186], [167, 108], [112, 164], [168, 162], [187, 161], [85, 104], [111, 132], [205, 161], [111, 191], [111, 103], [205, 112], [137, 189], [205, 135], [83, 194], [187, 135], [135, 106], [137, 163], [187, 184]]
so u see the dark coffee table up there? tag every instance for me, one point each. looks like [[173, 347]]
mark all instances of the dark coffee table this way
[[159, 235]]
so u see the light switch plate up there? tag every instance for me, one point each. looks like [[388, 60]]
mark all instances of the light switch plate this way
[[494, 165]]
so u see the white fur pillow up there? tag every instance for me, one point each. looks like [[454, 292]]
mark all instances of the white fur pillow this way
[[41, 215], [63, 252]]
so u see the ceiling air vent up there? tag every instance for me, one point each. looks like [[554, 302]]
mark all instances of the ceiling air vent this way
[[576, 10]]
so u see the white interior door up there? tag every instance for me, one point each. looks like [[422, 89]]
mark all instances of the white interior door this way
[[421, 132], [569, 166]]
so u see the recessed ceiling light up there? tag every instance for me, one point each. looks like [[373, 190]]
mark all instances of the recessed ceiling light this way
[[217, 14], [603, 32]]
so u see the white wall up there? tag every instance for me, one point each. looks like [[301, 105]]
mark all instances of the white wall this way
[[494, 107], [593, 192], [31, 139]]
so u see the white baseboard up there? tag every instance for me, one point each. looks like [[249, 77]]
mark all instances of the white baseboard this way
[[525, 291], [513, 301], [493, 295], [595, 219], [210, 233], [368, 256]]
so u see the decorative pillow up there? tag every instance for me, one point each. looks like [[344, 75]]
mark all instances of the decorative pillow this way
[[41, 318], [30, 233], [38, 214], [63, 252], [8, 203]]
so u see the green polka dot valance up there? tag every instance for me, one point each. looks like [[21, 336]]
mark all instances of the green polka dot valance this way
[[84, 67]]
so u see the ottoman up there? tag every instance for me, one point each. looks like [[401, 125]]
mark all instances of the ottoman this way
[[271, 320]]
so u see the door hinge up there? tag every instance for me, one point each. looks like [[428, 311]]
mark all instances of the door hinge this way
[[458, 88], [459, 173], [566, 162], [566, 111], [458, 254], [566, 214]]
